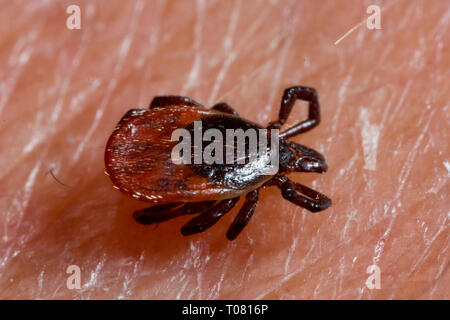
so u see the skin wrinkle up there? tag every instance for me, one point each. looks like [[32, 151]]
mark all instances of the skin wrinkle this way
[[251, 30], [150, 52], [240, 48], [311, 265], [66, 81], [40, 281], [230, 54], [39, 138], [395, 73], [406, 169], [20, 204], [245, 80], [323, 255], [442, 270], [93, 278], [370, 136], [17, 65], [387, 113], [122, 54], [183, 288], [341, 276], [287, 277], [130, 280], [195, 70], [11, 228], [214, 292], [195, 255], [279, 65], [247, 266], [379, 247], [290, 252], [427, 249], [341, 99], [83, 95]]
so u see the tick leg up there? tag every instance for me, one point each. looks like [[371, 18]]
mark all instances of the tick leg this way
[[208, 218], [225, 108], [314, 201], [244, 215], [287, 103], [164, 101], [160, 213]]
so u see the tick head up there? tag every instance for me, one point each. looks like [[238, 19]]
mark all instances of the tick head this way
[[285, 155]]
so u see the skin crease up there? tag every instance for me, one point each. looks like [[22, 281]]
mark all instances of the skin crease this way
[[384, 98]]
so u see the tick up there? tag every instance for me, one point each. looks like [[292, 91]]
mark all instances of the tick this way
[[138, 161]]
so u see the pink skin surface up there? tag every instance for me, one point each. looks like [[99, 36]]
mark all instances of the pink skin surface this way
[[385, 113]]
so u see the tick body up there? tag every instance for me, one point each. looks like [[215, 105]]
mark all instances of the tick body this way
[[138, 159]]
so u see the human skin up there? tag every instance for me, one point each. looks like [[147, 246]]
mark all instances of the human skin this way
[[384, 98]]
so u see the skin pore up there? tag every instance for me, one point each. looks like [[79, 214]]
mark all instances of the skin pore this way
[[384, 132]]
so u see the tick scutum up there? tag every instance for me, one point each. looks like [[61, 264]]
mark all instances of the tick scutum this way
[[230, 174]]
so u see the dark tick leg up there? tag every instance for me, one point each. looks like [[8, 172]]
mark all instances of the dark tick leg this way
[[314, 201], [244, 215], [287, 103], [208, 218], [160, 213], [164, 101], [225, 108]]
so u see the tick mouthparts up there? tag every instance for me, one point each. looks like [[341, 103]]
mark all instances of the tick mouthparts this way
[[320, 167], [311, 165], [324, 167]]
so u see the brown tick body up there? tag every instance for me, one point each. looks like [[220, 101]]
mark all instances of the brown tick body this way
[[138, 161]]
